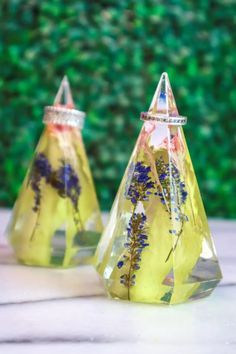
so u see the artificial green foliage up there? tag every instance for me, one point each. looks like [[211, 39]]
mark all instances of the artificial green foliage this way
[[114, 53]]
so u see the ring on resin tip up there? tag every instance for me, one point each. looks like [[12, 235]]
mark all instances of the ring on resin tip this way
[[63, 116], [162, 118]]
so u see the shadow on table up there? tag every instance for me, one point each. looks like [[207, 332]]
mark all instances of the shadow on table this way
[[21, 283]]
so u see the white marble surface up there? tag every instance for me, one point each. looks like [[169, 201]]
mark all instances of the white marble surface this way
[[66, 311]]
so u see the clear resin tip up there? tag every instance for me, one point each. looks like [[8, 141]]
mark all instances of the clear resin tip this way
[[64, 95], [63, 111], [163, 107]]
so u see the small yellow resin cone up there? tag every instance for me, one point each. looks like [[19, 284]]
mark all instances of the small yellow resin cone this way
[[157, 247], [56, 219]]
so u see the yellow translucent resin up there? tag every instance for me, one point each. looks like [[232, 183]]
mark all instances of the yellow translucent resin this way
[[157, 247], [56, 219], [57, 234]]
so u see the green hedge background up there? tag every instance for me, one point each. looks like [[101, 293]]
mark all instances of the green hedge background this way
[[114, 53]]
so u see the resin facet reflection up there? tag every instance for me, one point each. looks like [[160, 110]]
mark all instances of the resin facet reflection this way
[[157, 246], [56, 220]]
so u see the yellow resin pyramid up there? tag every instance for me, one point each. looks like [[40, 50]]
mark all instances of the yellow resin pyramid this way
[[157, 246], [56, 219]]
